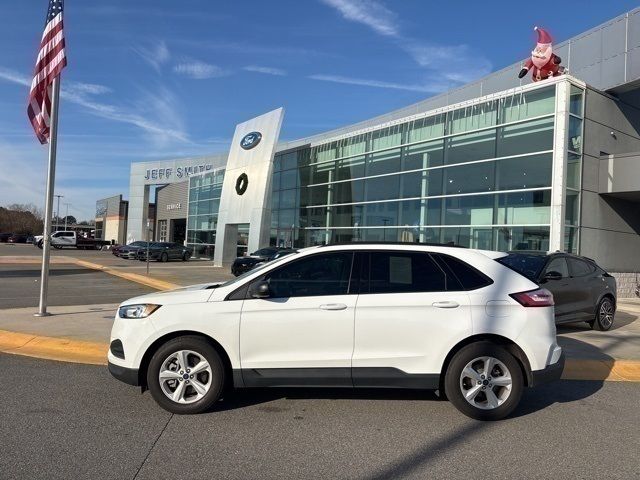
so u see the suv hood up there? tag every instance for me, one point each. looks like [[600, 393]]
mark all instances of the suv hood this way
[[191, 294]]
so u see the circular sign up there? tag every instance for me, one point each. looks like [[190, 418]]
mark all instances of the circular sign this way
[[250, 140], [242, 183]]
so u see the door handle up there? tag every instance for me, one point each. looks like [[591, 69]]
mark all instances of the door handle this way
[[333, 306], [449, 304]]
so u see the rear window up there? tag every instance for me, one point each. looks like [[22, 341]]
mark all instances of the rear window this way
[[461, 275], [528, 265]]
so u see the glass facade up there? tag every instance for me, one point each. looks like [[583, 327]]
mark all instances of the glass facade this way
[[478, 176], [204, 203], [574, 169]]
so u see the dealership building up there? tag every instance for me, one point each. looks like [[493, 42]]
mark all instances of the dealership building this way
[[501, 164]]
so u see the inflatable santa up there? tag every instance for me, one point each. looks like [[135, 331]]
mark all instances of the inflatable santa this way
[[543, 62]]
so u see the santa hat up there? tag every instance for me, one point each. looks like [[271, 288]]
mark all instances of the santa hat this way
[[543, 36]]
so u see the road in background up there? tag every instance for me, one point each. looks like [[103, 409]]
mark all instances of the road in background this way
[[62, 420]]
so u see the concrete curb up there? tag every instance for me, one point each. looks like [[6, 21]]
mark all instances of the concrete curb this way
[[95, 353], [51, 348]]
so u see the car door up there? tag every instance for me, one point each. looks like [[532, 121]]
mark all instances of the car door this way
[[404, 319], [563, 294], [302, 334], [586, 285]]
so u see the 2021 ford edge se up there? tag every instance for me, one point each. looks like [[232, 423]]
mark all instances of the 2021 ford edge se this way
[[359, 315]]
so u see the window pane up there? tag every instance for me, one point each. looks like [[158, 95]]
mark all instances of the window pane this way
[[434, 212], [383, 188], [353, 146], [477, 177], [575, 100], [571, 239], [286, 218], [579, 268], [470, 147], [348, 192], [317, 275], [524, 172], [558, 265], [350, 168], [347, 216], [381, 214], [383, 162], [526, 137], [289, 179], [572, 207], [318, 195], [575, 134], [524, 207], [275, 181], [320, 173], [473, 117], [387, 137], [393, 272], [573, 170], [523, 238], [467, 276], [424, 155], [422, 184], [472, 210], [288, 198], [527, 105], [426, 128], [289, 160], [411, 212], [316, 217]]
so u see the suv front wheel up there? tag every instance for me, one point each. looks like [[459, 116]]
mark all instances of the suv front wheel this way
[[484, 381], [186, 375]]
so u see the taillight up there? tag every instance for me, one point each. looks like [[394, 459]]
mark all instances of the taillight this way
[[540, 297]]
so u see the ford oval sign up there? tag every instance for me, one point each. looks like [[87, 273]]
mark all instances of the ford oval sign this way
[[251, 140]]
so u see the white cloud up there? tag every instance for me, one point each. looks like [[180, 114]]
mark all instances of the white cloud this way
[[156, 55], [426, 88], [371, 13], [156, 114], [266, 70], [199, 70], [455, 64]]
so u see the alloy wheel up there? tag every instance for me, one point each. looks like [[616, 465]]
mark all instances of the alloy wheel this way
[[185, 376], [486, 383], [605, 315]]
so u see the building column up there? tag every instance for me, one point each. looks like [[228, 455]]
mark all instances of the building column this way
[[559, 170], [138, 205]]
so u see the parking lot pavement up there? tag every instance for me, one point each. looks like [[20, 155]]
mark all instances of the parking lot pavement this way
[[74, 421], [68, 285]]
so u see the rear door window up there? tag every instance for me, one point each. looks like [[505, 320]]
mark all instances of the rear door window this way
[[400, 272], [580, 268], [558, 265]]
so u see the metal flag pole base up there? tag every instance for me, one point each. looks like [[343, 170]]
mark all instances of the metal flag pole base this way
[[43, 314], [48, 206]]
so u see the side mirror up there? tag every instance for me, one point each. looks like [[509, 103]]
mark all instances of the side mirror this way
[[552, 275], [260, 290]]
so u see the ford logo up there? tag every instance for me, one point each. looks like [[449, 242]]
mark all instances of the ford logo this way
[[250, 140]]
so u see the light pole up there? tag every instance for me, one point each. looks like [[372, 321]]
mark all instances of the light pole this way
[[66, 215], [58, 211]]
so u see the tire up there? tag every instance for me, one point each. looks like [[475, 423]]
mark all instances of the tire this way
[[605, 313], [40, 244], [167, 357], [186, 256], [505, 398], [164, 257]]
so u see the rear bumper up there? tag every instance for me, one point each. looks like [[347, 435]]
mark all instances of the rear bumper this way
[[550, 373], [124, 374]]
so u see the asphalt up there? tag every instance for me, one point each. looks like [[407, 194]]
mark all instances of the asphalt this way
[[68, 421], [68, 285]]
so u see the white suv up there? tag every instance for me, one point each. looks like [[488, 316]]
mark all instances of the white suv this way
[[359, 315]]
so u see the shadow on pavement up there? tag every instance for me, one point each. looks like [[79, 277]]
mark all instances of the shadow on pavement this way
[[621, 319], [54, 272]]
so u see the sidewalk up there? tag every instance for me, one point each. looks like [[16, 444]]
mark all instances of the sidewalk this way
[[81, 334]]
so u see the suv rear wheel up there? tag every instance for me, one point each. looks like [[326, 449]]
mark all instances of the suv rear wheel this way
[[484, 381], [186, 375], [604, 315]]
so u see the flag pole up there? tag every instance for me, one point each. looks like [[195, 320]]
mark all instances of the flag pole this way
[[51, 177]]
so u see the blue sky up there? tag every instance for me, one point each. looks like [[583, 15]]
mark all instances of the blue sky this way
[[159, 79]]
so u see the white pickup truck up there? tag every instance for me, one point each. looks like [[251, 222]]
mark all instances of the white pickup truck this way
[[63, 239]]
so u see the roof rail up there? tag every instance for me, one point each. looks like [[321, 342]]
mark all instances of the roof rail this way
[[422, 244]]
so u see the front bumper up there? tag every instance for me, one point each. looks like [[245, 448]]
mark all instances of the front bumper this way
[[124, 374], [550, 373]]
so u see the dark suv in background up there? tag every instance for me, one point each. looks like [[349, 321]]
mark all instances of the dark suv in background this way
[[582, 291]]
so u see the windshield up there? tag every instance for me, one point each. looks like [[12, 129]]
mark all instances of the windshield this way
[[254, 270], [528, 265]]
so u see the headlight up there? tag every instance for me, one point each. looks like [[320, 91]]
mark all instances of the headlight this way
[[137, 311]]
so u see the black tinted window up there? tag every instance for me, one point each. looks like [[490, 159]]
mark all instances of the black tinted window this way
[[558, 265], [580, 268], [462, 276], [397, 272], [317, 275], [527, 265]]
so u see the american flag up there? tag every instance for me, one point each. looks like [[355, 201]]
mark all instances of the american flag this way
[[50, 62]]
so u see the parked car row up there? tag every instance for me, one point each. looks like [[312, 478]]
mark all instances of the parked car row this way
[[15, 238], [158, 251], [244, 264]]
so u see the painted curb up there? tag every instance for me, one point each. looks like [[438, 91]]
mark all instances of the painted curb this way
[[52, 348], [608, 370]]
